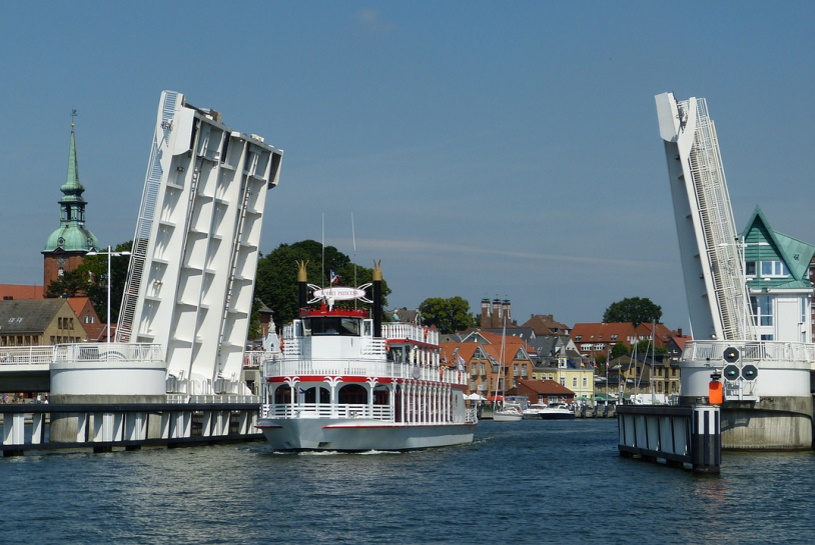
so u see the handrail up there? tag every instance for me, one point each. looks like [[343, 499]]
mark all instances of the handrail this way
[[281, 367], [752, 351]]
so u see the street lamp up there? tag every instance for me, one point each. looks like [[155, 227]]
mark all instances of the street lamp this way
[[110, 254]]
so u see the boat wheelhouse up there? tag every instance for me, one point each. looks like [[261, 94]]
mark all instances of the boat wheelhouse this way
[[345, 381]]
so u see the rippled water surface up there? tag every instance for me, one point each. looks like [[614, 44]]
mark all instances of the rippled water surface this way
[[528, 482]]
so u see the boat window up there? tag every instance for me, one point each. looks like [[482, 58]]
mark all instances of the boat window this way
[[352, 394], [309, 395], [333, 325], [282, 395]]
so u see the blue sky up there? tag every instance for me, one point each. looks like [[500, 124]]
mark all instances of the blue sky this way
[[484, 149]]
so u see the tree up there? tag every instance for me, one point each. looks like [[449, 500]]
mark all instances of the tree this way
[[636, 310], [646, 347], [619, 349], [448, 315], [276, 281], [89, 279]]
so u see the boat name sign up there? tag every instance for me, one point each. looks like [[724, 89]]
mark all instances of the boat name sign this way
[[340, 294]]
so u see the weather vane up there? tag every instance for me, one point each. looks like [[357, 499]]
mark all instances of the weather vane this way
[[73, 115]]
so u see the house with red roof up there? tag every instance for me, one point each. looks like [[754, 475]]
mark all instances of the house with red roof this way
[[9, 292], [597, 339], [545, 325], [543, 391], [88, 318], [490, 367]]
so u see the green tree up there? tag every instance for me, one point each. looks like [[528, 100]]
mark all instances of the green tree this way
[[276, 281], [89, 279], [636, 310], [645, 347], [619, 349], [448, 315]]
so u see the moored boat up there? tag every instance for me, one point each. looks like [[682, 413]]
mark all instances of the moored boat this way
[[345, 381], [508, 412], [556, 411], [533, 410]]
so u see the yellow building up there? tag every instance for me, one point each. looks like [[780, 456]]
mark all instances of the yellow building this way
[[38, 322]]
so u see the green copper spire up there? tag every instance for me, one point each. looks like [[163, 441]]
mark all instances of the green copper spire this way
[[72, 235], [72, 188]]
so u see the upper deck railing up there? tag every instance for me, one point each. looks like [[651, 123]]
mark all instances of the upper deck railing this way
[[412, 332], [280, 367]]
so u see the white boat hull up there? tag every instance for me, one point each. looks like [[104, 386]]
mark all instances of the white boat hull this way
[[556, 414], [357, 434]]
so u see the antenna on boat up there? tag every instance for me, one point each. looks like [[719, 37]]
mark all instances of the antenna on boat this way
[[322, 250], [354, 243]]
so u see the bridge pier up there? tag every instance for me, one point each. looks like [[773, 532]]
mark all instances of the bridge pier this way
[[680, 436], [129, 426]]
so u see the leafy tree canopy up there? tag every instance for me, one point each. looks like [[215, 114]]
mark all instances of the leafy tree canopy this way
[[448, 315], [619, 349], [645, 347], [89, 279], [276, 282], [637, 310]]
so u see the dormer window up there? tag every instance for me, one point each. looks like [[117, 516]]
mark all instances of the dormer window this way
[[774, 268]]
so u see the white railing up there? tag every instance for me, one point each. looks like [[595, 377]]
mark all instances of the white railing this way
[[411, 332], [798, 354], [314, 410], [26, 355], [108, 352], [370, 347], [719, 228], [255, 358], [200, 399], [281, 367]]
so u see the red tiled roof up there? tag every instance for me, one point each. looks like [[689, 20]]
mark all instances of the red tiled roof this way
[[545, 387], [21, 291], [624, 331]]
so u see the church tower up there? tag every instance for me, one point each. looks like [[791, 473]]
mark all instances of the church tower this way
[[67, 245]]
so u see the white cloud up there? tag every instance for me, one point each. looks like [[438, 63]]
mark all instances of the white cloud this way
[[371, 19]]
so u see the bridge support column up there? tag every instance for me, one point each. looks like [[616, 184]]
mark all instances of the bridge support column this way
[[706, 441]]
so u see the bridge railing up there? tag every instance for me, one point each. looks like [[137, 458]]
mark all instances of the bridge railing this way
[[26, 355], [802, 354], [107, 352]]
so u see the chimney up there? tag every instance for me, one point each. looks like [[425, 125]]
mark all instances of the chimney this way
[[496, 313], [485, 313], [507, 310]]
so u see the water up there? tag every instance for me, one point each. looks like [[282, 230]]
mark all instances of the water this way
[[528, 482]]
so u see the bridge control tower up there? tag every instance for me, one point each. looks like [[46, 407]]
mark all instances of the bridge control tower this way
[[768, 404]]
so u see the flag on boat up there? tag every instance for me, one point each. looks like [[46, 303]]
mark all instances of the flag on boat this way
[[334, 277]]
